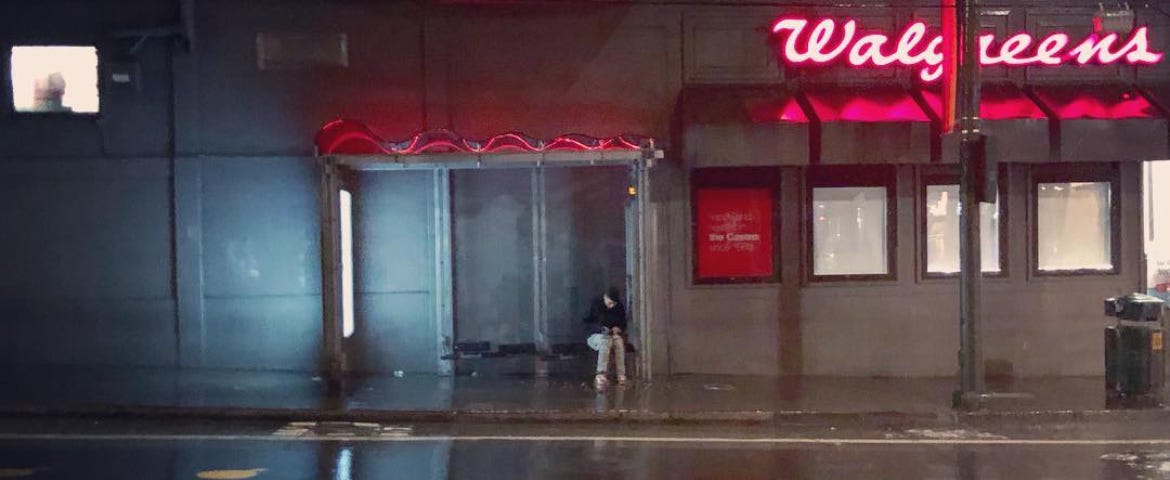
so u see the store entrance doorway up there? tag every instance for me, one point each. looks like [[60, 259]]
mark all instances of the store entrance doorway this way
[[1156, 206]]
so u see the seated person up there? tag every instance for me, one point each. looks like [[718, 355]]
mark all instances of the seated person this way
[[609, 315]]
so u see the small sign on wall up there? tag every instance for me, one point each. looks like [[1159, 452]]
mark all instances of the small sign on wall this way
[[299, 51], [733, 235]]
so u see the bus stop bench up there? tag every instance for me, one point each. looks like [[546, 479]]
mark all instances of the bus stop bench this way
[[562, 360]]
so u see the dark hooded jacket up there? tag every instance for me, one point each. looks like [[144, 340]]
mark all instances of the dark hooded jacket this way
[[603, 316]]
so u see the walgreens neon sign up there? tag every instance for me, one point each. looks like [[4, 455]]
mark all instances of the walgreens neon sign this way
[[831, 40]]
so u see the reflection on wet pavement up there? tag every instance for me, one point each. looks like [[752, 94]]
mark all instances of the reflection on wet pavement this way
[[438, 459], [1136, 465]]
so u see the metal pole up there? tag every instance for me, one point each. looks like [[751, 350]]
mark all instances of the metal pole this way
[[642, 277], [333, 360], [971, 382], [539, 261]]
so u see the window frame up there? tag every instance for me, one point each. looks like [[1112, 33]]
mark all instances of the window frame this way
[[950, 176], [1068, 173], [9, 96], [734, 177], [839, 176]]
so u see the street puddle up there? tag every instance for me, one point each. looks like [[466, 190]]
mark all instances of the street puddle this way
[[1146, 465], [957, 434]]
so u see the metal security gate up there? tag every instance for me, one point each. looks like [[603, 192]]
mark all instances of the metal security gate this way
[[446, 249]]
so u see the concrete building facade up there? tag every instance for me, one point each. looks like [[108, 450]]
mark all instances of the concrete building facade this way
[[179, 226]]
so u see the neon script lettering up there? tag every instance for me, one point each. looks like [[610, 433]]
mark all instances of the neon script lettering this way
[[829, 40]]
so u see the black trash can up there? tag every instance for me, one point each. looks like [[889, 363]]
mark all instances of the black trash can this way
[[1135, 361]]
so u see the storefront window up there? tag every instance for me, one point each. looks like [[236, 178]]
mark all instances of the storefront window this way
[[1074, 226], [850, 231], [942, 231], [735, 225], [54, 79]]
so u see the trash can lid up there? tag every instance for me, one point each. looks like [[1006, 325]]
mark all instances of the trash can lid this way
[[1135, 306]]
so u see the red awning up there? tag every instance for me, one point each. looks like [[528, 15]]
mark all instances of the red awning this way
[[879, 104], [996, 102], [869, 125], [1017, 128], [743, 126], [1114, 102], [1104, 123]]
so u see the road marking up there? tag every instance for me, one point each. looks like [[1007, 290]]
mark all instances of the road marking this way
[[230, 474], [289, 432], [593, 438], [341, 429], [17, 472]]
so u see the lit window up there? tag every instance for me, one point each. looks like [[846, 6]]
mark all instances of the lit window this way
[[345, 204], [1074, 226], [850, 231], [942, 231], [54, 79]]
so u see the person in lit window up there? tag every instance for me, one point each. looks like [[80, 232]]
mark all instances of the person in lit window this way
[[49, 93], [609, 315]]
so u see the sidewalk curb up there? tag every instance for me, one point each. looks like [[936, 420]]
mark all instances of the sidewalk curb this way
[[583, 416]]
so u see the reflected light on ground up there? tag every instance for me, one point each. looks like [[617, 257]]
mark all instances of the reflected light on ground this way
[[344, 465]]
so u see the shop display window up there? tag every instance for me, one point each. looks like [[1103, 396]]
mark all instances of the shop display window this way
[[852, 226], [1072, 226], [941, 223], [1076, 219]]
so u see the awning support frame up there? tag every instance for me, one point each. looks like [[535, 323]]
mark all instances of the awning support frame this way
[[639, 161]]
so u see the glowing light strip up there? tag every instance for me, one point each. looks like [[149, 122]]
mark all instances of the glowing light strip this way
[[348, 136], [830, 40], [337, 133]]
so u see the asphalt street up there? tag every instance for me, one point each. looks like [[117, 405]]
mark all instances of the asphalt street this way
[[89, 449]]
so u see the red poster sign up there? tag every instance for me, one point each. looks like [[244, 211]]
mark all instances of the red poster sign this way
[[733, 235]]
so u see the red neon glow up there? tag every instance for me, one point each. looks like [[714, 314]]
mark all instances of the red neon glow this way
[[348, 137], [877, 105], [1111, 105], [995, 104], [830, 40], [950, 65], [770, 112]]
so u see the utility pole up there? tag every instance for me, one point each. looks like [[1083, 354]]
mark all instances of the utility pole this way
[[973, 175]]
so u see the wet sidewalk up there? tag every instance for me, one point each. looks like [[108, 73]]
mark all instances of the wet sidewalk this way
[[245, 394]]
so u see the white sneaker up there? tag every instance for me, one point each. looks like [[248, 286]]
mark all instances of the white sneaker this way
[[600, 381]]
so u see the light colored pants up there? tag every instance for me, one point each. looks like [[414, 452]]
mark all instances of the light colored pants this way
[[618, 345]]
